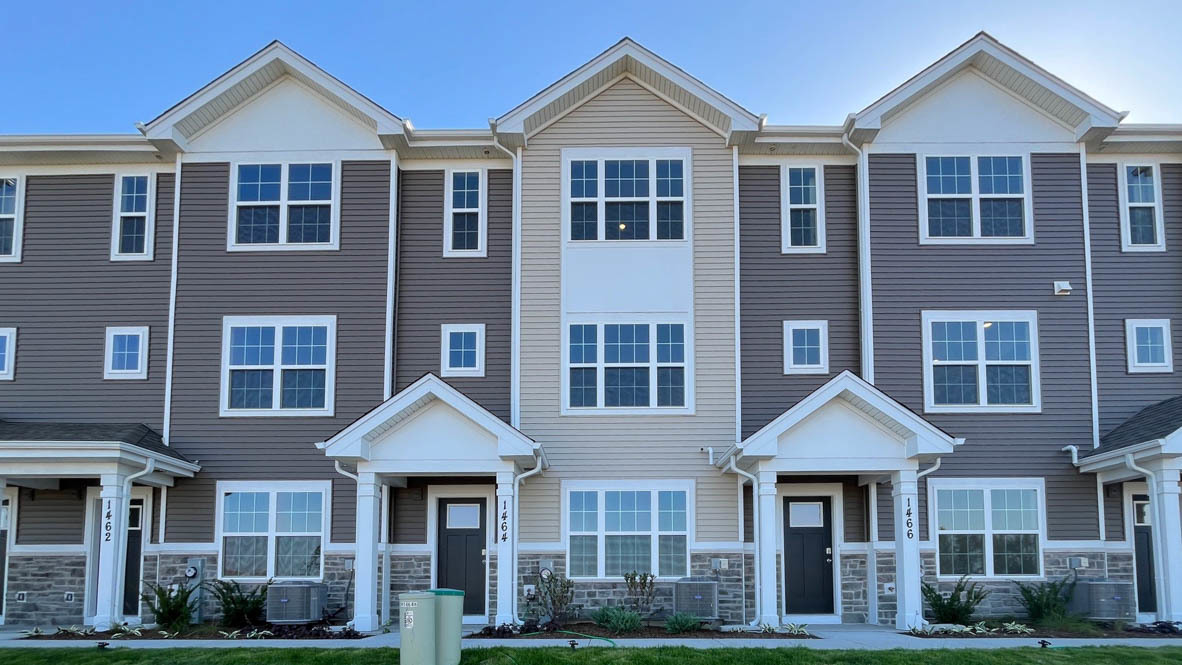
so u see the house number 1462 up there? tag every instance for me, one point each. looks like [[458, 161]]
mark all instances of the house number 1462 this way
[[107, 522]]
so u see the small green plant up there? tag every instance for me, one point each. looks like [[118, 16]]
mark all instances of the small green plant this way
[[642, 587], [230, 634], [33, 632], [960, 603], [981, 628], [1015, 628], [241, 607], [921, 631], [617, 620], [1047, 600], [555, 594], [167, 635], [259, 634], [800, 629], [75, 631], [1075, 625], [125, 630], [171, 605], [767, 628], [682, 622]]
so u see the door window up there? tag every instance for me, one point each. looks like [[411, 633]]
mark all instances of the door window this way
[[801, 514], [463, 516], [1141, 510]]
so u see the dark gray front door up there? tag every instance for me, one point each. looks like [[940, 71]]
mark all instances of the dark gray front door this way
[[1143, 542], [808, 554], [135, 545], [462, 543]]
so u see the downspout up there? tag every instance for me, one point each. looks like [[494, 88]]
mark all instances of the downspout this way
[[1155, 520], [517, 520], [930, 469], [336, 464], [1087, 242], [865, 291], [754, 528]]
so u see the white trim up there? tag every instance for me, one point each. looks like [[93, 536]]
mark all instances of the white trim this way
[[182, 548], [391, 277], [786, 208], [8, 526], [865, 270], [985, 485], [975, 198], [1134, 365], [602, 155], [481, 250], [8, 340], [334, 243], [166, 428], [420, 164], [486, 492], [445, 368], [738, 317], [17, 217], [980, 317], [117, 214], [837, 519], [141, 371], [515, 335], [278, 322], [1087, 241], [791, 367], [558, 547], [272, 488], [1122, 180]]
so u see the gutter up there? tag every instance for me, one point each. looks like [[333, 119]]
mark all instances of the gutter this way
[[754, 526], [865, 283]]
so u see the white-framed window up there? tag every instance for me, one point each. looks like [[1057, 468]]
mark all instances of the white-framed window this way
[[465, 217], [126, 355], [981, 360], [7, 354], [1149, 345], [806, 347], [975, 199], [12, 216], [802, 209], [622, 367], [277, 206], [133, 219], [620, 194], [278, 365], [462, 349], [617, 528], [272, 530], [991, 527], [1142, 226]]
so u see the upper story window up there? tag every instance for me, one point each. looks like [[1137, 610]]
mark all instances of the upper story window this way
[[11, 219], [465, 222], [620, 366], [626, 194], [272, 530], [278, 365], [802, 210], [126, 354], [7, 353], [981, 361], [462, 346], [284, 206], [806, 347], [133, 226], [1141, 223], [990, 527], [613, 530], [974, 199], [1149, 346]]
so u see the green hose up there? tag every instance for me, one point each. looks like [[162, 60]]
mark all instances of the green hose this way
[[570, 632]]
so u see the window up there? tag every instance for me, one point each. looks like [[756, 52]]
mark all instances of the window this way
[[981, 361], [463, 516], [618, 530], [1141, 222], [638, 194], [278, 365], [1149, 345], [272, 530], [126, 353], [11, 218], [133, 225], [465, 227], [284, 206], [7, 353], [615, 366], [806, 347], [974, 199], [988, 527], [802, 210], [462, 346]]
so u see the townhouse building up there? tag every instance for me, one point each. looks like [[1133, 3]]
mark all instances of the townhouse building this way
[[281, 333]]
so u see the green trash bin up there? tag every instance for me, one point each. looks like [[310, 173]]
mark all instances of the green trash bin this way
[[449, 617], [416, 627]]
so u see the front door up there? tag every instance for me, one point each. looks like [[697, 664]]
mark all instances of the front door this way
[[1143, 542], [808, 554], [131, 566], [462, 543]]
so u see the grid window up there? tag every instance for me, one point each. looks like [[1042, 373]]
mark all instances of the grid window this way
[[584, 529], [670, 220], [310, 182], [462, 349], [638, 365], [950, 218], [615, 532], [983, 197], [802, 210], [8, 213], [1142, 211], [464, 222], [806, 347], [962, 554], [584, 223], [132, 215], [670, 179], [1002, 218], [584, 556], [296, 376], [583, 344], [7, 352], [626, 221], [298, 513], [309, 223], [626, 386], [284, 204], [802, 228], [245, 513], [627, 343], [584, 511], [583, 387], [272, 533], [634, 199], [626, 178], [584, 179], [125, 353], [988, 531], [1149, 346], [949, 175], [988, 361], [628, 512]]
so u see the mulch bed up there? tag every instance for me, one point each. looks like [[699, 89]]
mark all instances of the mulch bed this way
[[1156, 630], [647, 632], [208, 632]]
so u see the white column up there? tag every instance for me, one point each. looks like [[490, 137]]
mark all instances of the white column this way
[[503, 535], [112, 535], [769, 604], [1167, 536], [369, 510], [909, 600]]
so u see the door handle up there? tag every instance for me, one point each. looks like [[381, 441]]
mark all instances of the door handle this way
[[830, 560]]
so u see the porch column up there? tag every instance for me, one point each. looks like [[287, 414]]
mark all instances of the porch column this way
[[503, 533], [112, 536], [365, 594], [1167, 531], [769, 604], [909, 600]]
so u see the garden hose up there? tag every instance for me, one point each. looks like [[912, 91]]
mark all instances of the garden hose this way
[[571, 632]]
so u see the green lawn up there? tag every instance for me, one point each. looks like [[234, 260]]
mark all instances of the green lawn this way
[[598, 656]]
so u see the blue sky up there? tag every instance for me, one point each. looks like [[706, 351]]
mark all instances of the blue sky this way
[[100, 67]]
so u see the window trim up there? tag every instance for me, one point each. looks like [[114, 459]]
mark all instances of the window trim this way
[[8, 371], [986, 485], [974, 198], [786, 208], [278, 322], [1122, 179], [334, 243], [18, 217], [149, 252], [273, 487], [1135, 367], [792, 368], [481, 215], [652, 155], [108, 371], [927, 317], [445, 348], [654, 487]]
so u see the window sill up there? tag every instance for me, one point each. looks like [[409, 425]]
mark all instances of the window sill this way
[[1142, 248], [802, 250], [628, 411], [10, 259], [929, 408], [288, 247], [265, 580], [125, 377], [465, 253], [275, 413], [132, 257], [1151, 370], [976, 241], [638, 242], [994, 578], [462, 373], [793, 371], [620, 578]]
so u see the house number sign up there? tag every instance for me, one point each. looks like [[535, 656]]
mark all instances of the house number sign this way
[[107, 527], [910, 521], [504, 520]]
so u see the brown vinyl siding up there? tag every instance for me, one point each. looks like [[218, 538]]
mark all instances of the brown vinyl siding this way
[[408, 509], [51, 517], [1114, 511]]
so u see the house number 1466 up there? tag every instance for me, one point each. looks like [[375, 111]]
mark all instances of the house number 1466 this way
[[910, 521]]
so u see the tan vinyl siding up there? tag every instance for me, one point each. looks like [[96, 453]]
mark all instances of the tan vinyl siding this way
[[589, 447]]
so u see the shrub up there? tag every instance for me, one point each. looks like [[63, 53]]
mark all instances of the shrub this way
[[1047, 600], [555, 594], [959, 605], [641, 589], [240, 608], [682, 622], [171, 606], [617, 620]]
